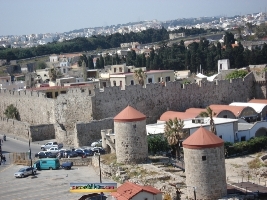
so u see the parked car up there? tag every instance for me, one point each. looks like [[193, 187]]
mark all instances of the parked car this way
[[45, 154], [97, 143], [25, 171], [53, 150], [70, 154], [67, 165], [51, 144], [98, 150], [88, 152], [80, 153]]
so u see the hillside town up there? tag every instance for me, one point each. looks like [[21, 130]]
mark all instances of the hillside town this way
[[220, 23], [147, 126]]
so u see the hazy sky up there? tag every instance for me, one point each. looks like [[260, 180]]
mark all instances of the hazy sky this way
[[20, 17]]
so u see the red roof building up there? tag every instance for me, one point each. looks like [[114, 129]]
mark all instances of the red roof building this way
[[129, 114], [133, 191], [201, 139]]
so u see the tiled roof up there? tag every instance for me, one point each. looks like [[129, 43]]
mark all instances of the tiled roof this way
[[202, 138], [263, 101], [128, 190], [179, 115], [234, 109], [129, 114]]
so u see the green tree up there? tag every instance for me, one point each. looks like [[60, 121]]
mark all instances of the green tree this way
[[41, 65], [97, 64], [140, 76], [54, 74], [236, 74], [209, 113], [84, 68], [174, 132], [90, 63], [157, 143], [101, 62], [11, 112]]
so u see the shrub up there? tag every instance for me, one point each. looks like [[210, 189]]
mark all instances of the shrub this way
[[157, 143], [251, 146], [11, 112]]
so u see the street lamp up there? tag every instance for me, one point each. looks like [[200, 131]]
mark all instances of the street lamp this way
[[30, 152], [100, 175]]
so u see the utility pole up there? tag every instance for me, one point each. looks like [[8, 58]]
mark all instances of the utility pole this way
[[30, 152]]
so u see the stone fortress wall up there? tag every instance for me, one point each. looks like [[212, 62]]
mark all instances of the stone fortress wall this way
[[82, 105]]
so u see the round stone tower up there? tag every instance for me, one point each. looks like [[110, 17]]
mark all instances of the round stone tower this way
[[205, 165], [130, 136]]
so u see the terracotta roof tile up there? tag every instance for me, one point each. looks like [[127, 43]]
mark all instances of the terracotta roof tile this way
[[128, 190], [129, 114], [202, 138], [234, 109], [263, 101], [179, 115]]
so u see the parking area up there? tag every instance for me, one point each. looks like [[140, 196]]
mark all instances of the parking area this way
[[48, 184]]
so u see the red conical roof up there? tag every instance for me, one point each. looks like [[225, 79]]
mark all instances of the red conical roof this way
[[129, 114], [202, 138]]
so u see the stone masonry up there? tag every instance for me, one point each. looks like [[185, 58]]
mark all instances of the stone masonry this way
[[209, 176], [82, 105]]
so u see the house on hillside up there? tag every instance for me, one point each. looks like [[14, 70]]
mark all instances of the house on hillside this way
[[132, 191]]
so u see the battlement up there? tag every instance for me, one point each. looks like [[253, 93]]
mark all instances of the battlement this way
[[22, 93]]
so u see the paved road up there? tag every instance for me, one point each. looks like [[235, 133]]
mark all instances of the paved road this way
[[16, 146], [49, 184]]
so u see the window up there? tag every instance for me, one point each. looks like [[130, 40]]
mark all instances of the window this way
[[204, 158], [64, 71], [114, 83], [167, 78], [150, 80], [220, 136], [159, 79], [220, 66], [120, 83], [43, 161], [243, 138], [129, 70], [114, 70], [132, 82], [120, 69], [225, 116], [56, 94]]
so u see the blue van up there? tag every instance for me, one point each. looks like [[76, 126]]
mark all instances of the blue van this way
[[47, 163]]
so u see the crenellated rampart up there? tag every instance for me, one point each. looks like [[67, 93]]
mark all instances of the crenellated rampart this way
[[88, 103], [158, 98]]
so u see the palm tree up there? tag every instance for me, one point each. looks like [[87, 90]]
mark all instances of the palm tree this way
[[54, 73], [174, 132], [209, 113], [140, 76]]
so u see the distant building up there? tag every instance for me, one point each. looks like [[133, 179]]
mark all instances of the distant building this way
[[176, 35], [223, 65]]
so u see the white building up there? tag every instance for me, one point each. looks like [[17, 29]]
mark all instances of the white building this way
[[223, 65]]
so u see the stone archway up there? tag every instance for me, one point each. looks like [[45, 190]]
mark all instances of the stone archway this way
[[261, 132], [108, 149]]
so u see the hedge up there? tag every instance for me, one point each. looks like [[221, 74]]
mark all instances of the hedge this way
[[245, 147]]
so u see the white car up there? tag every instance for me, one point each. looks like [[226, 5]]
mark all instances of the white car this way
[[25, 171], [53, 150], [97, 144]]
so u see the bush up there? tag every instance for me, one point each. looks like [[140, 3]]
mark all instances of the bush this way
[[251, 146], [11, 112], [157, 143]]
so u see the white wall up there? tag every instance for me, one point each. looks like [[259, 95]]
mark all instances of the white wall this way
[[149, 196], [225, 130]]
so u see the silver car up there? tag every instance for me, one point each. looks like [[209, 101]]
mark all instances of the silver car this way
[[25, 171]]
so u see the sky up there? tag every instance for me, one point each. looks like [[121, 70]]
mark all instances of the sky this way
[[21, 17]]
